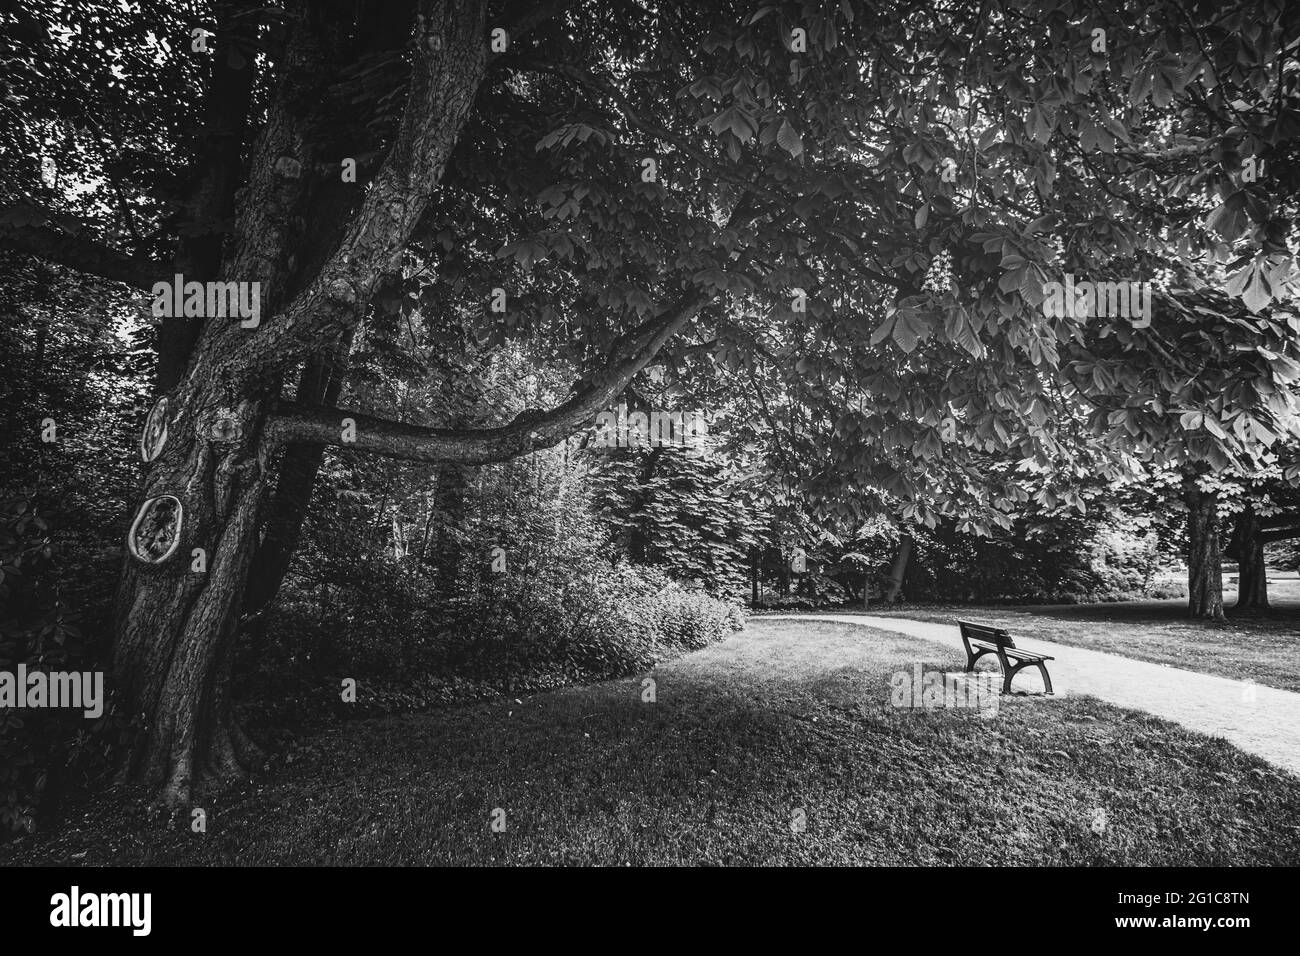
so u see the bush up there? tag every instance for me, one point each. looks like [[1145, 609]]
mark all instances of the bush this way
[[592, 624], [570, 622], [812, 590]]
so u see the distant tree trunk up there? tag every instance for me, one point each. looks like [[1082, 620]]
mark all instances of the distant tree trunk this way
[[896, 574], [449, 501], [42, 330], [638, 535], [299, 465], [1252, 576], [428, 527], [1204, 574]]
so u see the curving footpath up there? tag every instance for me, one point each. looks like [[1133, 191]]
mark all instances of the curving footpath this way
[[1261, 720]]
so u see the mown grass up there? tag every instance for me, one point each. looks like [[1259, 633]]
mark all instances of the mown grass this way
[[784, 717], [1263, 646]]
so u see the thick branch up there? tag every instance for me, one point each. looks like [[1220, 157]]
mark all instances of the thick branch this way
[[529, 430], [1278, 520], [1169, 154], [445, 78], [74, 248]]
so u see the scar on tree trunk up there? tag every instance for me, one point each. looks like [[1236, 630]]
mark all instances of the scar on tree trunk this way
[[178, 615], [1204, 572]]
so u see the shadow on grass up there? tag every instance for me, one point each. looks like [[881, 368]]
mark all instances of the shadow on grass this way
[[722, 767]]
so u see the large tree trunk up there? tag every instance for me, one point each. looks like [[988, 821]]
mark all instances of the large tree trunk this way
[[1252, 575], [178, 611], [1204, 574], [176, 619]]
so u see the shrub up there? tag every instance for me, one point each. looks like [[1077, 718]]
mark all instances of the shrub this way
[[594, 624], [569, 622]]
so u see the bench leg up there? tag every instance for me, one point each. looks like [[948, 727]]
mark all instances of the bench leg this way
[[1047, 680], [1011, 671], [973, 656]]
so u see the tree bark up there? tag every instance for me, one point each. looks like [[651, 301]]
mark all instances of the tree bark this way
[[1204, 572], [1252, 575], [452, 481], [176, 623], [321, 383], [210, 206], [177, 617]]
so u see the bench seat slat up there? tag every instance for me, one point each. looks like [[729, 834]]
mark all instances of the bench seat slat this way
[[1011, 651]]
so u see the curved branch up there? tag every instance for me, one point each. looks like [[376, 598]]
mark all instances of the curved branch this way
[[445, 78], [529, 430]]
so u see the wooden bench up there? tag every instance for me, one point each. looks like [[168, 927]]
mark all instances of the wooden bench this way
[[994, 640]]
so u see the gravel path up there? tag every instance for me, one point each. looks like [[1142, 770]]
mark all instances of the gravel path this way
[[1261, 720]]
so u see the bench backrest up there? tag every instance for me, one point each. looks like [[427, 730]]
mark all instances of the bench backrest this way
[[982, 632]]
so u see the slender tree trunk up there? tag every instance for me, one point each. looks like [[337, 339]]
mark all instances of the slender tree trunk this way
[[296, 480], [899, 570], [449, 500], [1204, 572], [428, 525], [1252, 575]]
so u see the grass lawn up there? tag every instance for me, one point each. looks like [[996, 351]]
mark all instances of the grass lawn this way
[[784, 717], [1262, 645]]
